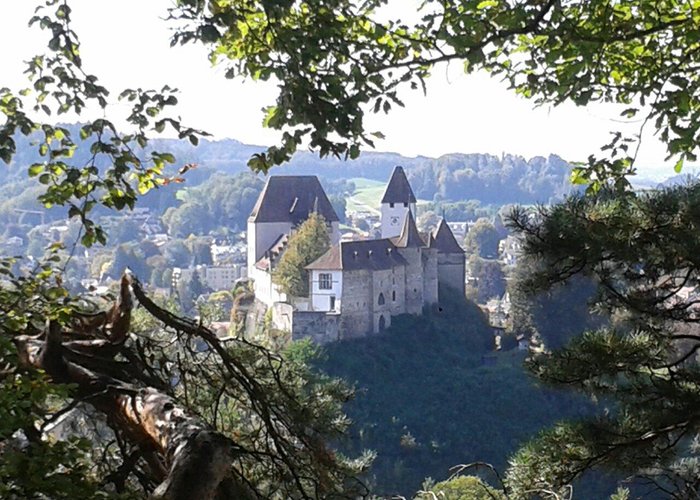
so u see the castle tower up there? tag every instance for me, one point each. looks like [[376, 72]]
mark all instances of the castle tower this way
[[451, 258], [414, 250], [397, 202]]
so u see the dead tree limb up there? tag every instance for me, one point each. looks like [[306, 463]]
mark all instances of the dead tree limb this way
[[197, 459]]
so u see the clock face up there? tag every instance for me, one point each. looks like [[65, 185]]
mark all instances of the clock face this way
[[394, 220]]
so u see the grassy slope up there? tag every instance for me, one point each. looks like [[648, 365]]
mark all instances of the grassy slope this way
[[425, 379], [368, 195]]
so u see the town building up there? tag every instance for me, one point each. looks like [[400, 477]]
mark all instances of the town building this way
[[356, 287], [215, 278]]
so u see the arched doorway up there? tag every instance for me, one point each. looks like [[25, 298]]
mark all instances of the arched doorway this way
[[382, 323]]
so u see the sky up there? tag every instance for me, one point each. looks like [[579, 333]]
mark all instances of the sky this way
[[126, 44]]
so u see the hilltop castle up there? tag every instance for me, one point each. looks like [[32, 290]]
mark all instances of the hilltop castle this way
[[356, 286]]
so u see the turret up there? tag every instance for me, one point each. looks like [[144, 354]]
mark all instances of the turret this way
[[397, 201]]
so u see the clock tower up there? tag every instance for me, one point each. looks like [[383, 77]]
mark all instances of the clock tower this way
[[397, 202]]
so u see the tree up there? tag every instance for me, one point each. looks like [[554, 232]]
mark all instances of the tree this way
[[490, 280], [177, 253], [339, 203], [482, 239], [200, 248], [462, 488], [338, 60], [306, 244], [642, 251], [277, 451], [427, 221], [124, 231], [542, 313]]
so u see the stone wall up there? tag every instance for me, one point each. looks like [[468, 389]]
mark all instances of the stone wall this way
[[382, 286], [357, 303], [398, 292], [451, 269], [282, 316], [255, 319], [430, 276], [320, 327], [414, 279]]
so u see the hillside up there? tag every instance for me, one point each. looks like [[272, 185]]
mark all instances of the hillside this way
[[487, 178], [426, 401]]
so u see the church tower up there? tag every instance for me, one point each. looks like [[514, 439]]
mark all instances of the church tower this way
[[397, 202]]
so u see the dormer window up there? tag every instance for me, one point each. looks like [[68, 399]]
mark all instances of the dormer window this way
[[391, 205], [405, 205]]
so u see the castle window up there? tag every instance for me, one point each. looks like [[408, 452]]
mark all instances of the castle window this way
[[405, 205], [381, 300], [325, 281], [391, 205], [393, 295]]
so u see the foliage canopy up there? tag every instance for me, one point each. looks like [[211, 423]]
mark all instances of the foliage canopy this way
[[336, 60], [643, 253]]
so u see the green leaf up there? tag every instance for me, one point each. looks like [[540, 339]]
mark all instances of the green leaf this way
[[579, 176], [36, 169], [679, 165], [486, 4]]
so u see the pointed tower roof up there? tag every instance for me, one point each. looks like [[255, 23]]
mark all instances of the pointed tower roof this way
[[398, 190], [444, 240], [409, 237]]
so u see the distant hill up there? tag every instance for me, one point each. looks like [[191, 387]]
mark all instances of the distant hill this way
[[492, 180], [487, 178], [680, 179]]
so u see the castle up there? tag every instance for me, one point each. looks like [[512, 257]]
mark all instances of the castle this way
[[356, 287]]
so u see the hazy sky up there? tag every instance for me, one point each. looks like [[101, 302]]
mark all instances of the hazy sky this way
[[126, 44]]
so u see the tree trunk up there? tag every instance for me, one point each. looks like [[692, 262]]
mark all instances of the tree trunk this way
[[196, 459]]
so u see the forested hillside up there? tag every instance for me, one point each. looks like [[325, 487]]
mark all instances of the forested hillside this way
[[427, 400], [487, 178]]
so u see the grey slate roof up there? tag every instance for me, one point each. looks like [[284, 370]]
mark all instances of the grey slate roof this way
[[398, 190], [268, 258], [359, 255], [409, 237], [291, 198], [444, 240]]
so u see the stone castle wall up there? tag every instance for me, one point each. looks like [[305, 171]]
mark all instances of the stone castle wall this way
[[451, 269], [430, 275], [357, 303], [321, 327], [414, 279], [382, 287]]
